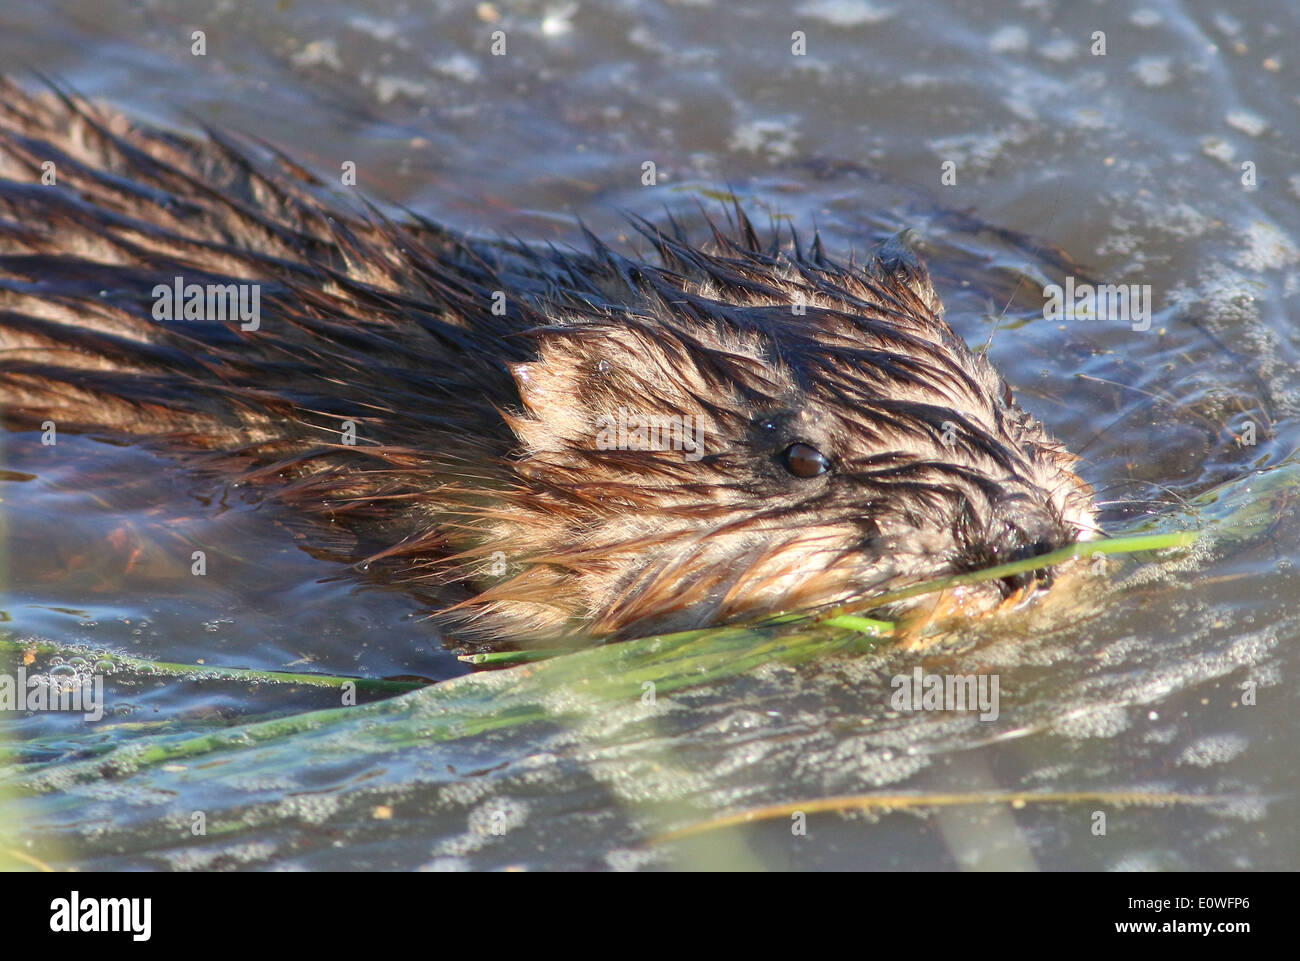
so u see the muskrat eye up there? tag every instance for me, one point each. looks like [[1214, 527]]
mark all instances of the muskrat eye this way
[[804, 461]]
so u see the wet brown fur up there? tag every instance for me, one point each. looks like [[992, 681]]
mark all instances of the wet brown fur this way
[[477, 461]]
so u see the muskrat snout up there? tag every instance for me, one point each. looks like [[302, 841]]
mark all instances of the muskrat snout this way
[[1017, 533]]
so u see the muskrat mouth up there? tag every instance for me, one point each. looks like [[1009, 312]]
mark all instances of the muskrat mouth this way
[[1039, 579]]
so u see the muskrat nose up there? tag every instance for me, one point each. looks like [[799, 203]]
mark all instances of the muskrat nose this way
[[1019, 532], [1042, 575]]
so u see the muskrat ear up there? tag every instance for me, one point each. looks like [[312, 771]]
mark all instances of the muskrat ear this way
[[558, 386], [523, 374], [897, 260], [540, 385], [897, 255], [560, 399], [526, 381], [569, 361]]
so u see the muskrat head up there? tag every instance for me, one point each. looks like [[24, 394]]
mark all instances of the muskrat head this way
[[733, 449]]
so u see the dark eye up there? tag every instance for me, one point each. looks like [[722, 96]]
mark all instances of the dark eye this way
[[804, 461]]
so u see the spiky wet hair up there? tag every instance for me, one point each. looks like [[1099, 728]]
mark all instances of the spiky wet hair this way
[[835, 437]]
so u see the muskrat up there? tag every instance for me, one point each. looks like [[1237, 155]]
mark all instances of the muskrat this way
[[486, 412]]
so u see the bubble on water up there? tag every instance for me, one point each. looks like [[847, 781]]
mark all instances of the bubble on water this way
[[632, 859], [1267, 247], [446, 864], [1153, 71], [1012, 39], [1212, 750], [556, 22], [1251, 124], [458, 66], [1218, 149], [1103, 721], [846, 13], [310, 808], [1060, 50], [1243, 808], [191, 859], [1148, 861], [774, 138], [252, 851]]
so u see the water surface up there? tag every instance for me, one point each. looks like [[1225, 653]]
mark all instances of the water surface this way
[[1128, 164]]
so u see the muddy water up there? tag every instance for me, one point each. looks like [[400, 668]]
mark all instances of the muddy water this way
[[1169, 162]]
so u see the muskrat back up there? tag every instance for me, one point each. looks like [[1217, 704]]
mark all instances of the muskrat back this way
[[587, 444]]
